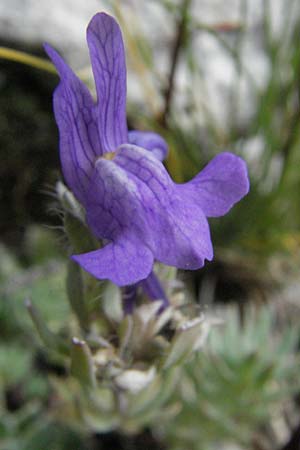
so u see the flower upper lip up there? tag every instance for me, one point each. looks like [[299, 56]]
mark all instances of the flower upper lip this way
[[130, 200]]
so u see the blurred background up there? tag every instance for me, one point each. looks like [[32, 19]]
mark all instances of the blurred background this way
[[208, 75]]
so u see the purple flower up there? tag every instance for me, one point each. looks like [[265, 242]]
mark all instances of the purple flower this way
[[131, 203]]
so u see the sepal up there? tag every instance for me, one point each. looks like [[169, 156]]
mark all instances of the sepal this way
[[189, 337], [75, 293], [51, 340], [82, 365]]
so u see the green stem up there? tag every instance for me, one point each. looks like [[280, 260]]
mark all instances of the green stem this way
[[27, 59]]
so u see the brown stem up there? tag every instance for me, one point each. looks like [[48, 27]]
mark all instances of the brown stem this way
[[178, 42]]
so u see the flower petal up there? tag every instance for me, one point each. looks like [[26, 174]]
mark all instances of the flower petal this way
[[134, 204], [79, 141], [124, 262], [109, 67], [192, 233], [179, 230], [114, 204], [150, 141], [221, 184], [114, 213]]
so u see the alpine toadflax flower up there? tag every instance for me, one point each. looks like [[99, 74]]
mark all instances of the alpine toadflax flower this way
[[131, 203]]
